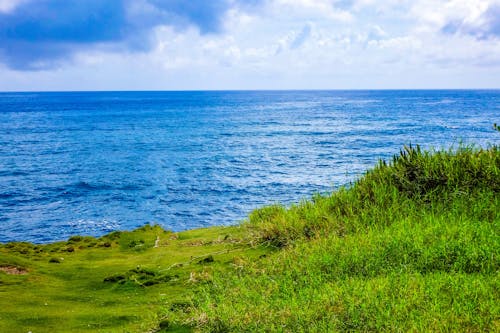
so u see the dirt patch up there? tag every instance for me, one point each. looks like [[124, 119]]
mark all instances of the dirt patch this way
[[12, 270]]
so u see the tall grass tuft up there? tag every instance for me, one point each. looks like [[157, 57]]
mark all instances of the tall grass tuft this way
[[414, 179]]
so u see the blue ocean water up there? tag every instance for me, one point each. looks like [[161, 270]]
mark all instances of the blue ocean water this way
[[93, 162]]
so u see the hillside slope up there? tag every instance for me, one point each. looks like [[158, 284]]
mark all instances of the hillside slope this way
[[413, 245]]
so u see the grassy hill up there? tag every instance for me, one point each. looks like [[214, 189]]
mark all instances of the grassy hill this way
[[413, 245]]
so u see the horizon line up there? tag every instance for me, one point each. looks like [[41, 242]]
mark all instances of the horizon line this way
[[248, 90]]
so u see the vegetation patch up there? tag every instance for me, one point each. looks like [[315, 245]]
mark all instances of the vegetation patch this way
[[206, 260], [141, 277], [414, 245]]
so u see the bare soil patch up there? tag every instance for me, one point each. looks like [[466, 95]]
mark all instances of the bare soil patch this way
[[12, 270]]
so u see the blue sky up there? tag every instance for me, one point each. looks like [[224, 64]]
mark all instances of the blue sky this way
[[252, 44]]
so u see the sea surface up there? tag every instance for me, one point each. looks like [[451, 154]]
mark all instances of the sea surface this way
[[92, 162]]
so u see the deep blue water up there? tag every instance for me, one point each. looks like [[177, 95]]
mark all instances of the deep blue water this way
[[89, 163]]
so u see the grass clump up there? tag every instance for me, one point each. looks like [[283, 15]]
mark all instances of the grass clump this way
[[141, 277], [414, 181], [414, 245]]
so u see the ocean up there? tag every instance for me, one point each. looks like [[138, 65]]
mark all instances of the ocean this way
[[92, 162]]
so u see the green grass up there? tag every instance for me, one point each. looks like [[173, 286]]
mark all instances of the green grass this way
[[413, 245], [117, 283]]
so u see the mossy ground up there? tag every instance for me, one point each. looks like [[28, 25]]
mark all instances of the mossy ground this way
[[118, 283], [414, 245]]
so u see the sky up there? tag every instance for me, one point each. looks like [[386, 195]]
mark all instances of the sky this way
[[58, 45]]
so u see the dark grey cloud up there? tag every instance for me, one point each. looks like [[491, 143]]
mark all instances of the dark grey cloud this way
[[40, 34], [488, 25]]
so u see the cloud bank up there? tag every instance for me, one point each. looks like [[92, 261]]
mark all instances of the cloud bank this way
[[486, 25], [248, 44], [39, 34]]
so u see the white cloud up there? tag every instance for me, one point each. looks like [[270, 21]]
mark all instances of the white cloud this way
[[7, 6], [294, 39], [325, 9], [434, 15], [302, 44]]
